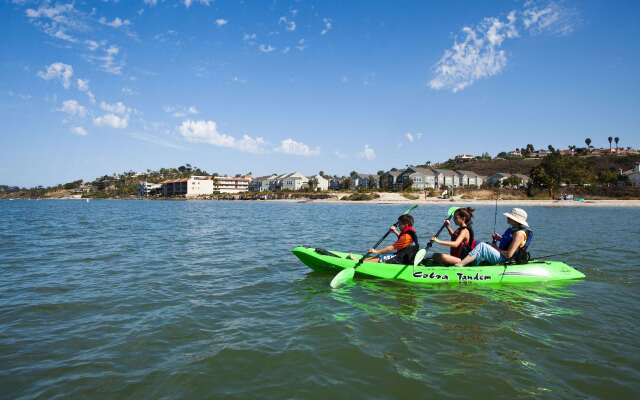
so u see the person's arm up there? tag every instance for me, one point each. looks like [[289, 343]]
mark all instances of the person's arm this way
[[518, 239], [384, 250], [462, 237]]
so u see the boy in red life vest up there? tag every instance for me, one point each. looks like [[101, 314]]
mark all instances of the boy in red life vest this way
[[404, 249]]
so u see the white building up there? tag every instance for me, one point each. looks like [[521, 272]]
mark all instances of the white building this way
[[231, 184], [446, 178], [322, 182], [188, 187], [263, 183], [470, 178], [633, 175], [292, 181], [421, 178], [147, 188], [502, 176]]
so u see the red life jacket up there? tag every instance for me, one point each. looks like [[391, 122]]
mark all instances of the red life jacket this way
[[465, 247]]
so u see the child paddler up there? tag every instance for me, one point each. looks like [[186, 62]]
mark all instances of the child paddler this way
[[512, 245], [404, 249], [461, 242]]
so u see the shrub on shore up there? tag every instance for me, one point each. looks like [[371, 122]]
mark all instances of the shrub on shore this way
[[361, 197]]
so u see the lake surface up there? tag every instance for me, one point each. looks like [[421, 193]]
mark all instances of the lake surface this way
[[175, 300]]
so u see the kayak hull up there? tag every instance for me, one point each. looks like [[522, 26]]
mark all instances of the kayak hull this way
[[534, 271]]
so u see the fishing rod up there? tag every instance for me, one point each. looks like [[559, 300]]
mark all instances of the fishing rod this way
[[568, 252], [495, 214]]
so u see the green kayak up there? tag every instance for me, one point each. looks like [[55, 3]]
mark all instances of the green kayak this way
[[534, 271]]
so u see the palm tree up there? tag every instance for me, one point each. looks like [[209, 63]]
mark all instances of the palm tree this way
[[617, 139], [588, 142], [610, 140]]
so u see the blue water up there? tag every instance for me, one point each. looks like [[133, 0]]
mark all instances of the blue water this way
[[203, 299]]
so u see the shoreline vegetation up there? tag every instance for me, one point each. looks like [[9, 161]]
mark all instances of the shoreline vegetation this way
[[581, 177]]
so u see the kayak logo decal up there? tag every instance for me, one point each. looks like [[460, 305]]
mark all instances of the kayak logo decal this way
[[477, 277], [444, 277], [433, 275]]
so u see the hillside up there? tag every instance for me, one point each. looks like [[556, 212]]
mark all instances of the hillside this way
[[524, 165]]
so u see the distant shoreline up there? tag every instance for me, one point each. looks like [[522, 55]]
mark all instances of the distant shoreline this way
[[396, 201]]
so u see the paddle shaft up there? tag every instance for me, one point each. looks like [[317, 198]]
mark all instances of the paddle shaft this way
[[430, 244]]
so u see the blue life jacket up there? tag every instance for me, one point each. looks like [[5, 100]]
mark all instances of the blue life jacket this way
[[521, 256]]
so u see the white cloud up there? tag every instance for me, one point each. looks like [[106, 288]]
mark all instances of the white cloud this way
[[127, 91], [412, 137], [478, 54], [368, 153], [92, 44], [72, 107], [476, 57], [301, 46], [111, 120], [207, 132], [249, 37], [116, 108], [290, 146], [180, 111], [116, 23], [288, 25], [83, 86], [151, 3], [57, 20], [550, 18], [109, 62], [266, 48], [327, 26], [188, 3], [58, 70], [220, 22], [80, 131]]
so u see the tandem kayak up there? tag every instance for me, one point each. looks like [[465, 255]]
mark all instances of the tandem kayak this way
[[533, 271]]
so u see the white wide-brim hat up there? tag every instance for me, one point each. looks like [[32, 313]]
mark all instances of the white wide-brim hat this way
[[519, 215]]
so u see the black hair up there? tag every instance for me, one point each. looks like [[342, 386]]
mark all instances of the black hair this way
[[406, 219], [467, 215]]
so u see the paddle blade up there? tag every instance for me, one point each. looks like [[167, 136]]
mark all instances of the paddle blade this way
[[419, 257], [451, 211], [344, 276]]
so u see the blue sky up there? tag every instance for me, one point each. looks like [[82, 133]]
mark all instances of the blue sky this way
[[94, 87]]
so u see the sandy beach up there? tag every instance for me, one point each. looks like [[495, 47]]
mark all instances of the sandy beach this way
[[397, 198]]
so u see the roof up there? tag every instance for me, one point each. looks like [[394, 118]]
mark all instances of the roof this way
[[424, 171], [175, 180], [394, 172], [465, 172], [445, 172]]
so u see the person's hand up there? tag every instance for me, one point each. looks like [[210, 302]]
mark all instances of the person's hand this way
[[447, 222], [372, 251], [496, 236], [395, 230], [434, 239]]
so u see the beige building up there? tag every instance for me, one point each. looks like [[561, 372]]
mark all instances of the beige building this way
[[188, 187], [231, 184]]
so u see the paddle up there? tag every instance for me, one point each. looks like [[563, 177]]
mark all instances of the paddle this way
[[422, 253], [347, 274]]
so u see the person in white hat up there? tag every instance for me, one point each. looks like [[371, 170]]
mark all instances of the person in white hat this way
[[511, 245]]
